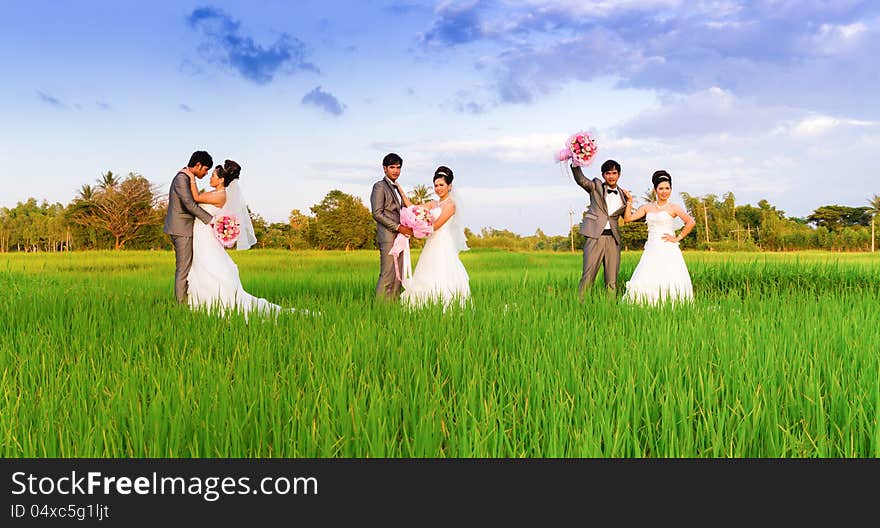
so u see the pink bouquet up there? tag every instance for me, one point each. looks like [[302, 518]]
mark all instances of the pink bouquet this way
[[580, 148], [227, 229], [421, 221]]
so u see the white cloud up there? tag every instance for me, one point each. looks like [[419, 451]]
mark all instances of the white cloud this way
[[526, 148], [505, 148], [819, 55], [834, 39], [601, 8], [711, 111], [719, 113], [818, 125]]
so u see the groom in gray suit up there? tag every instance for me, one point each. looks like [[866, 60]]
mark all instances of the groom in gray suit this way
[[600, 226], [182, 211], [385, 203]]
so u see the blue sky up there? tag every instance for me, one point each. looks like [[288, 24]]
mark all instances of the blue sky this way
[[773, 99]]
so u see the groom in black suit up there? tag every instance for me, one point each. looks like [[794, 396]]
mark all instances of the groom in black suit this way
[[386, 203], [600, 226]]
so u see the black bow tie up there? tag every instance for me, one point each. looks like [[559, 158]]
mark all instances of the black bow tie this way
[[611, 191]]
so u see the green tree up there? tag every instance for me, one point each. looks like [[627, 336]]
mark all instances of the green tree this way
[[5, 231], [260, 226], [765, 206], [874, 210], [469, 235], [836, 217], [123, 208], [302, 233], [85, 193], [577, 237], [342, 221], [633, 235], [498, 238], [540, 240], [703, 211], [748, 216], [276, 235], [84, 234], [32, 226], [107, 181]]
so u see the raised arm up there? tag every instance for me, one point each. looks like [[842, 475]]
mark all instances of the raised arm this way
[[182, 188], [406, 201], [628, 214], [582, 180], [217, 198], [446, 211]]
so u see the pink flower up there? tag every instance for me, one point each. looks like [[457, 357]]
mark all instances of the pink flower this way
[[581, 149], [226, 230], [419, 219]]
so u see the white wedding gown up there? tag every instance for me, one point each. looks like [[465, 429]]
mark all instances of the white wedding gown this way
[[439, 275], [661, 274], [213, 278]]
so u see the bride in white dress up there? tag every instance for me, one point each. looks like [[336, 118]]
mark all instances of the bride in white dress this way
[[439, 275], [213, 279], [661, 274]]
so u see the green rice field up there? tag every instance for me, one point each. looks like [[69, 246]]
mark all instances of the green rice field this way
[[779, 356]]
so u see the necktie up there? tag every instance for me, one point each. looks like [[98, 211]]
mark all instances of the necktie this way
[[609, 191], [396, 191]]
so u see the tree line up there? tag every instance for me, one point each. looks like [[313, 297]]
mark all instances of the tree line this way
[[128, 212]]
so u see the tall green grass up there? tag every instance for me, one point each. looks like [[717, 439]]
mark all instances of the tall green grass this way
[[777, 357]]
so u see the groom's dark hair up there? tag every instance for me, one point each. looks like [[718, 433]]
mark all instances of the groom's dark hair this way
[[200, 156], [610, 165], [392, 159]]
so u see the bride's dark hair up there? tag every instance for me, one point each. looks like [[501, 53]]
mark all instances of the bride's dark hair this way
[[228, 172], [659, 177], [445, 173]]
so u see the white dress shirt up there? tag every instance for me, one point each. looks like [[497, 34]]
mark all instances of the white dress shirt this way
[[613, 202], [396, 193]]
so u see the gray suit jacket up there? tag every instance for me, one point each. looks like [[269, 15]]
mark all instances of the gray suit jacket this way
[[386, 211], [597, 214], [182, 208]]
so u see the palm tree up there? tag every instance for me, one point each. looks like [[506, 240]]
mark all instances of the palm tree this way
[[108, 181], [86, 193], [420, 194], [874, 204], [646, 197]]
